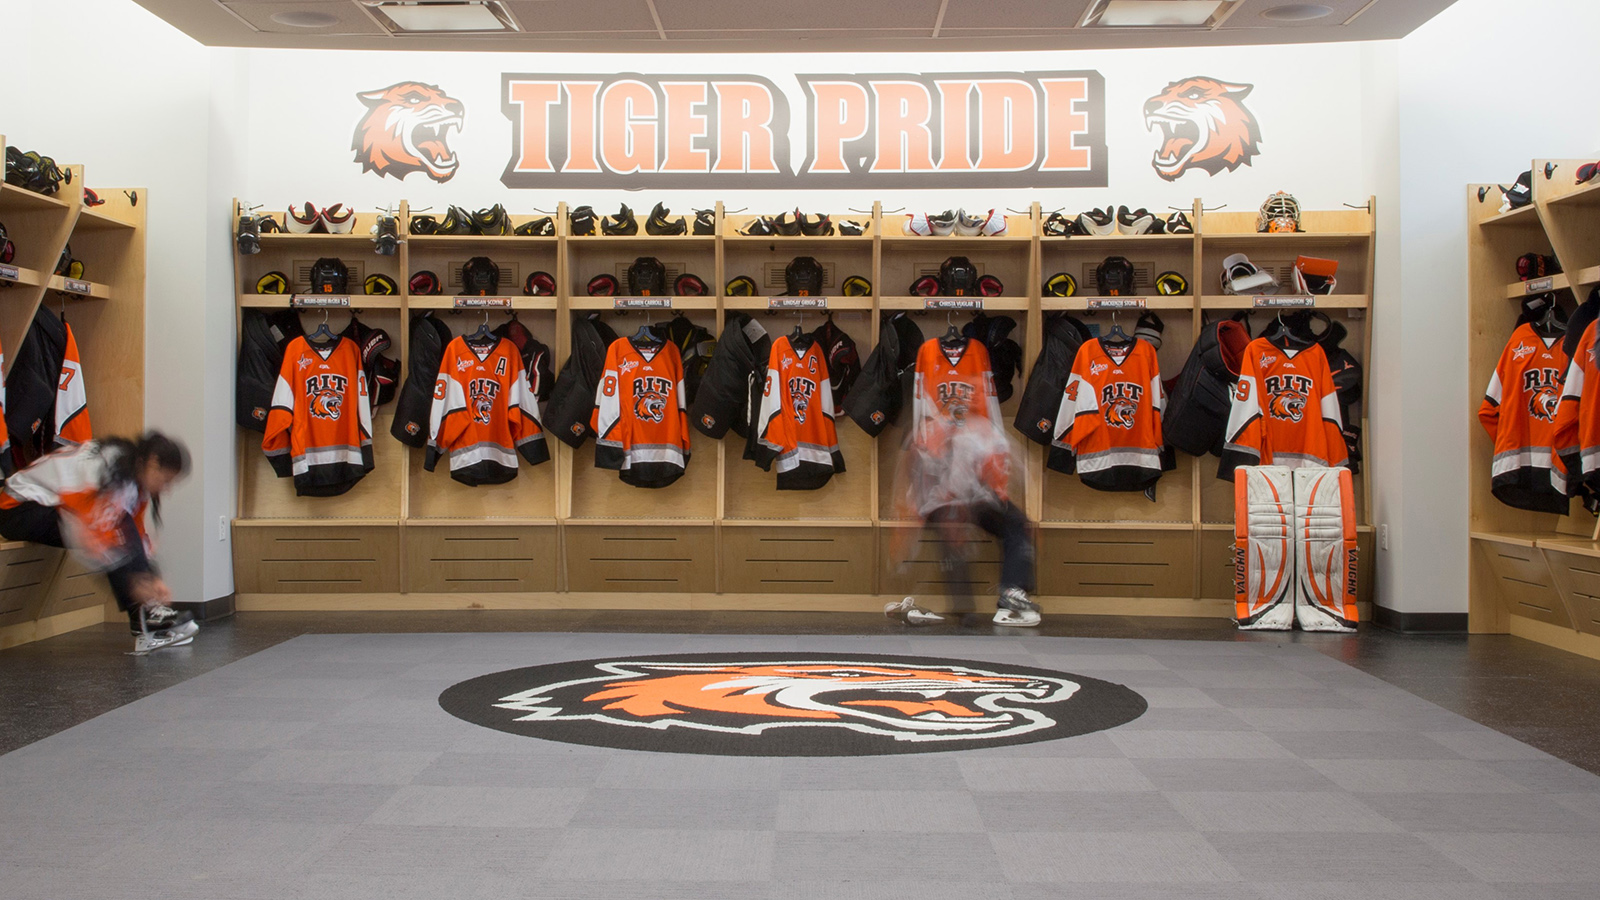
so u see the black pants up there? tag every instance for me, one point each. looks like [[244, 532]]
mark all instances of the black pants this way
[[1006, 523], [42, 525]]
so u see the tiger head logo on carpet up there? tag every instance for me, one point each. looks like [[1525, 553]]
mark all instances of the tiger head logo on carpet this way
[[1204, 125], [407, 129], [907, 703]]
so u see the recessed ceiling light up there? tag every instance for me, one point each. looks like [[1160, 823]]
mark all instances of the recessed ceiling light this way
[[305, 18], [1297, 12], [443, 17], [1148, 13]]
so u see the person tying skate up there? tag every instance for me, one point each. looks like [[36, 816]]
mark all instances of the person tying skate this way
[[92, 499]]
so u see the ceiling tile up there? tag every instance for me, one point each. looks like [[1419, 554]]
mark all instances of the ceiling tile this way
[[1249, 14], [539, 16], [780, 15], [352, 20], [1014, 13]]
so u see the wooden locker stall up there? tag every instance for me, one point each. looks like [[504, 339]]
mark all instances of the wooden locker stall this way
[[1533, 574], [43, 591], [566, 534]]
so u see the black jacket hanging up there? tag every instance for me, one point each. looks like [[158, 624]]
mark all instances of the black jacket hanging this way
[[383, 372], [572, 399], [1041, 396], [887, 376], [844, 362], [1202, 396], [31, 388], [428, 339], [262, 336], [1005, 354], [724, 397], [536, 357]]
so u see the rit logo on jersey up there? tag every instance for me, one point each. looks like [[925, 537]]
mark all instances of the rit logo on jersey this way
[[1543, 387], [954, 398], [800, 391], [1286, 396], [1120, 400], [482, 393], [650, 394], [326, 395]]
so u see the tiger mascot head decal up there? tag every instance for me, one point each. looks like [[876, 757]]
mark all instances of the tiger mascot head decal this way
[[1120, 413], [904, 702], [326, 405], [1543, 401], [649, 407], [1289, 406], [407, 129], [1204, 125]]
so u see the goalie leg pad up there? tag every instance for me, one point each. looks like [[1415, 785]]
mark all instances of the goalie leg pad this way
[[1325, 550], [1263, 555]]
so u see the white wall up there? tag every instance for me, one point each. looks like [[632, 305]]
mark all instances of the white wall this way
[[136, 112], [1466, 115]]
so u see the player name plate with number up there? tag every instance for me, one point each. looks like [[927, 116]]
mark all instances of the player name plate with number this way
[[953, 303], [1116, 303], [319, 301], [10, 273], [74, 286], [797, 303], [1539, 285], [1284, 301], [642, 303], [482, 303]]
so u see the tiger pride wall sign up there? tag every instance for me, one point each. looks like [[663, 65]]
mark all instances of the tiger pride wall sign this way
[[991, 129], [787, 704]]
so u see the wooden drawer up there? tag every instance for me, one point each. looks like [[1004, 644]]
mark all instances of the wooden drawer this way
[[1116, 562], [911, 562], [26, 572], [1523, 580], [316, 559], [1578, 578], [776, 560], [641, 558], [75, 587], [489, 558]]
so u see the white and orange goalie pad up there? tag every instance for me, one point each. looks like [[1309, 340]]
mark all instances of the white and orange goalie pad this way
[[1263, 550], [1325, 550]]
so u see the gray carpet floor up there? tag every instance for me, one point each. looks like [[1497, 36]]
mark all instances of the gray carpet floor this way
[[324, 769]]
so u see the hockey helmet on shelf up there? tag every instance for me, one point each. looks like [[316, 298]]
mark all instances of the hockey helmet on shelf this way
[[856, 286], [1280, 214], [1060, 284], [424, 283], [1313, 275], [958, 277], [740, 286], [647, 277], [689, 285], [480, 277], [380, 285], [329, 275], [1240, 276], [990, 286], [1114, 277], [273, 283], [539, 284], [1171, 284], [803, 277], [1536, 265], [925, 286], [604, 285]]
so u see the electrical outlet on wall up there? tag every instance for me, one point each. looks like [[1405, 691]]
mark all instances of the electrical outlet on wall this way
[[222, 528], [1383, 537]]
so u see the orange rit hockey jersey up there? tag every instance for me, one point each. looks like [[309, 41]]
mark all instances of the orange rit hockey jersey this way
[[1285, 410], [1111, 417], [483, 413], [639, 414], [795, 422], [1519, 412], [7, 464], [72, 404], [960, 454], [1576, 441], [319, 428]]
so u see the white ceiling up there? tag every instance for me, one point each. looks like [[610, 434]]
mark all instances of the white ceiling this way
[[685, 26]]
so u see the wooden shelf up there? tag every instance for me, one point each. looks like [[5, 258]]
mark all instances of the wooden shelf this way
[[493, 240], [1328, 301], [1586, 195], [1522, 215], [27, 278], [100, 218], [1589, 275], [760, 304], [13, 197], [798, 242], [660, 522], [489, 521], [357, 301], [1112, 240], [1081, 304], [324, 522], [628, 240], [799, 523], [284, 237], [677, 303], [1304, 239], [990, 304], [96, 291], [449, 303], [1008, 239], [1516, 290]]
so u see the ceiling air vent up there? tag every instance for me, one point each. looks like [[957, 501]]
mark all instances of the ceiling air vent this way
[[432, 17], [1156, 13]]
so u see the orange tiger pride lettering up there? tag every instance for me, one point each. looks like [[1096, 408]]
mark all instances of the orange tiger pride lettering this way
[[1204, 125], [407, 129]]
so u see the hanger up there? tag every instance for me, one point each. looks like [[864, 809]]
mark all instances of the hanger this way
[[323, 335], [644, 336], [1554, 321], [952, 336], [1116, 336], [483, 334]]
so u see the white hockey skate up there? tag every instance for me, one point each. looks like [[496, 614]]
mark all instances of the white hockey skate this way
[[909, 612], [1016, 609]]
